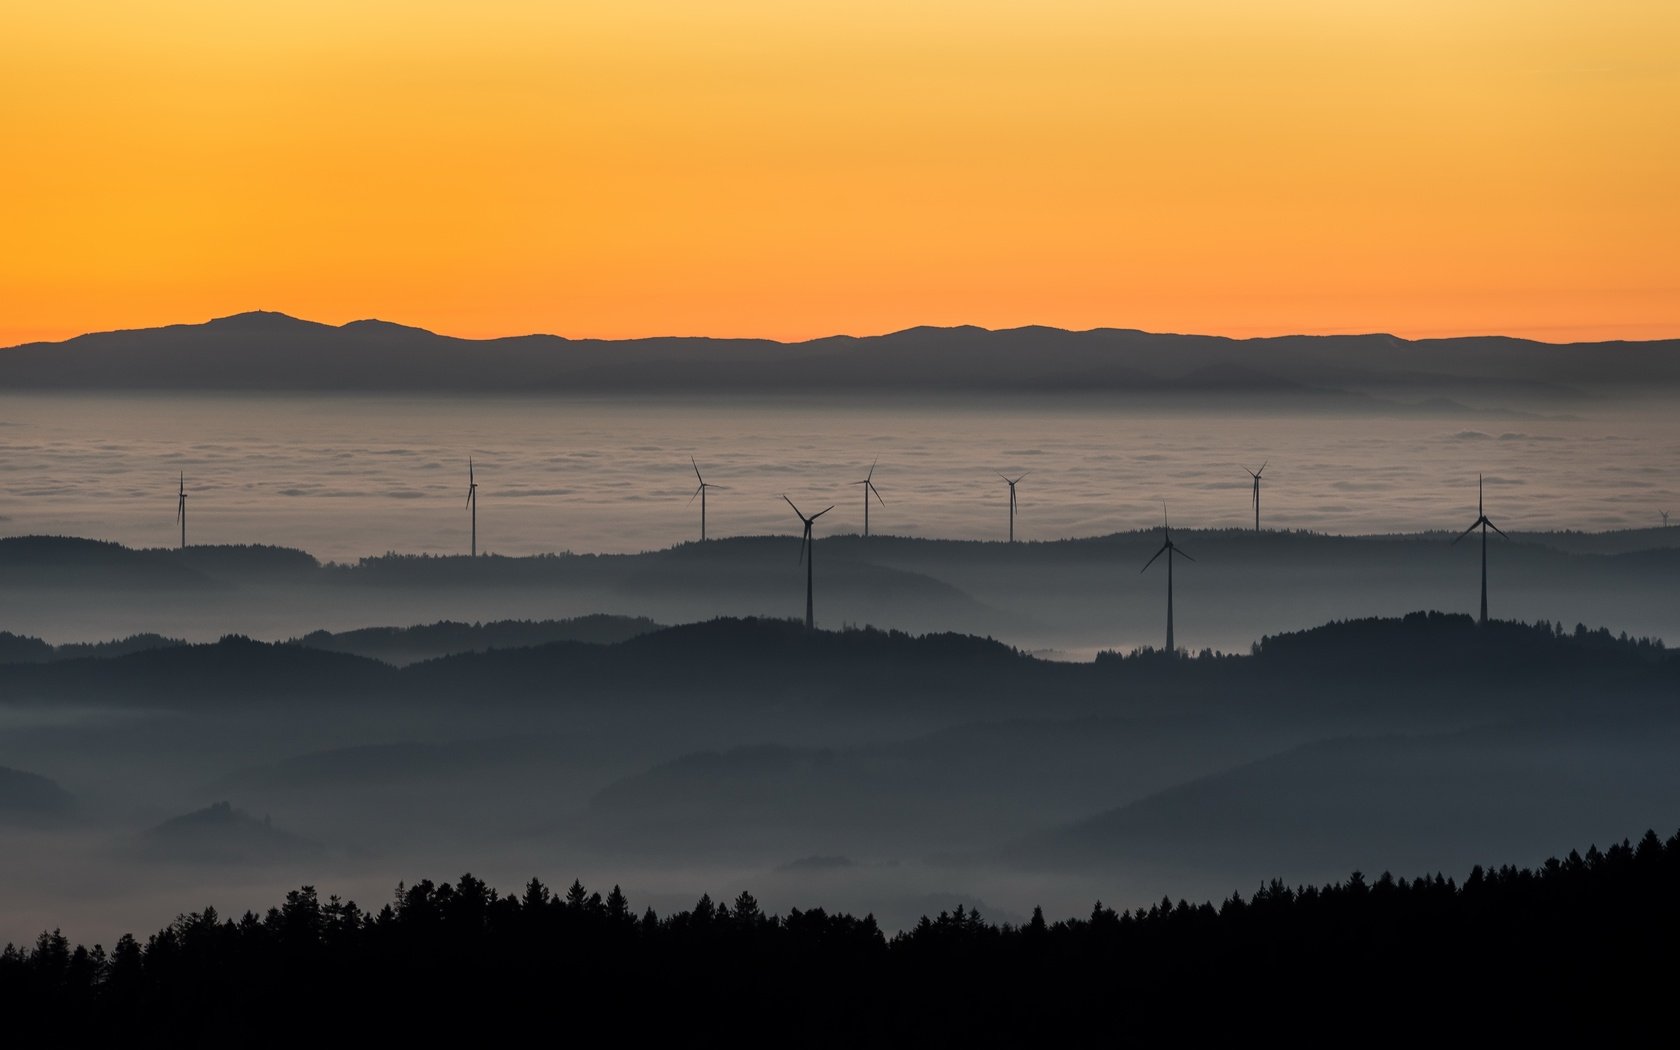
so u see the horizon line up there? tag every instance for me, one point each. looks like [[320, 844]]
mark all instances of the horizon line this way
[[1188, 334]]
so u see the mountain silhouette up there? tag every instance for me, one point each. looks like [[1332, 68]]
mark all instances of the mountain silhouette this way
[[274, 352]]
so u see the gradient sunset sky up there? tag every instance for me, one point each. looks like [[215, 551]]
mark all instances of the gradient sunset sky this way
[[794, 168]]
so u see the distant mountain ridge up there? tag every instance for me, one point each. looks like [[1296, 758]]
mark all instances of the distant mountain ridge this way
[[275, 352]]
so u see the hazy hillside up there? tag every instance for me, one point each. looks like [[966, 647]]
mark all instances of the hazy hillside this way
[[1073, 597], [29, 797], [404, 645], [221, 834], [724, 750]]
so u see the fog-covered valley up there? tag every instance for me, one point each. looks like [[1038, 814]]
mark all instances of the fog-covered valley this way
[[860, 769]]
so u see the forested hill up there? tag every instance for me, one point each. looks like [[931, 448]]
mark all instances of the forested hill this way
[[1578, 946], [1424, 662]]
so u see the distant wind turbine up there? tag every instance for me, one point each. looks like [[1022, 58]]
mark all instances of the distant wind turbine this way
[[1169, 548], [181, 509], [472, 504], [701, 492], [1012, 485], [1255, 474], [1664, 514], [868, 484], [806, 549], [1484, 524]]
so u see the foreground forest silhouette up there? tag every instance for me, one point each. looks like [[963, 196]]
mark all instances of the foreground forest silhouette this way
[[1586, 940]]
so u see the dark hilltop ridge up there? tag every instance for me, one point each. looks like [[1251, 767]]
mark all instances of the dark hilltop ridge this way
[[274, 352], [1587, 939], [723, 665], [1076, 595]]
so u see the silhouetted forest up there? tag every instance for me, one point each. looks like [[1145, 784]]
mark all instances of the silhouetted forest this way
[[407, 644], [1585, 942], [740, 662]]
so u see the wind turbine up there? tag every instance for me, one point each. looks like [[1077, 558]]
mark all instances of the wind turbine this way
[[1169, 548], [701, 492], [181, 509], [472, 504], [1012, 485], [1664, 514], [806, 549], [868, 484], [1484, 524], [1255, 474]]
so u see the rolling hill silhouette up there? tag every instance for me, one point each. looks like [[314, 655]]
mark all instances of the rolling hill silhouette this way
[[1075, 595], [221, 834], [31, 798], [1496, 670], [404, 645], [1399, 800], [271, 351]]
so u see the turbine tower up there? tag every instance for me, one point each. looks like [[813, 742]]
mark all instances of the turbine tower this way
[[701, 492], [1484, 524], [806, 549], [1255, 474], [1012, 485], [868, 484], [1169, 548], [181, 509], [472, 504]]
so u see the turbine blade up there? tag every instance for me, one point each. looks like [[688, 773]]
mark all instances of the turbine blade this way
[[795, 509], [820, 513], [1496, 528], [1468, 531], [877, 492], [696, 495], [1180, 552], [872, 469], [1151, 561], [696, 467]]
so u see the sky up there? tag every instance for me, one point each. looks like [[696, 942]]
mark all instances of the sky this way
[[791, 170]]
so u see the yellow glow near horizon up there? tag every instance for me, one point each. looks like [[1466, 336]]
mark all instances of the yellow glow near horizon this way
[[747, 167]]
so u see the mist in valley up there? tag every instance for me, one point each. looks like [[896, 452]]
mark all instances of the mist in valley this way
[[322, 687]]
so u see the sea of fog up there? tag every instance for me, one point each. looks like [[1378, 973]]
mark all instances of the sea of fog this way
[[344, 477]]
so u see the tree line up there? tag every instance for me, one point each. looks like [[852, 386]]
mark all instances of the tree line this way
[[1588, 941]]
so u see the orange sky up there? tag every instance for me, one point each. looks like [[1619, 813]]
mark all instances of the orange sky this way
[[791, 169]]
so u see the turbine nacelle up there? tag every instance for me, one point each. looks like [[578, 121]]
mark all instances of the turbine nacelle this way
[[1481, 518], [869, 483], [805, 543], [703, 483], [1255, 474], [1012, 482]]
